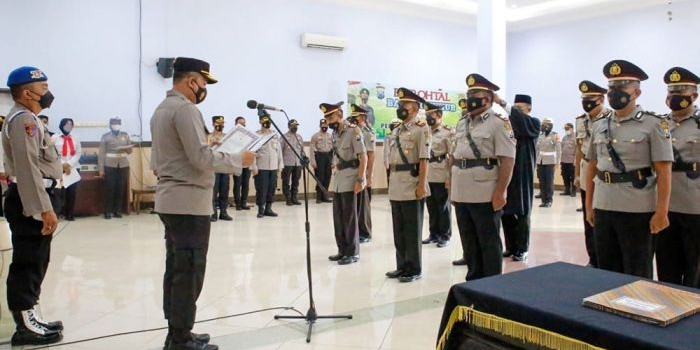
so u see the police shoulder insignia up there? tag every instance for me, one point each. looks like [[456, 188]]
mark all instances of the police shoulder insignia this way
[[501, 117], [507, 126], [30, 128], [660, 116], [665, 127], [421, 123], [639, 115], [581, 116], [697, 113]]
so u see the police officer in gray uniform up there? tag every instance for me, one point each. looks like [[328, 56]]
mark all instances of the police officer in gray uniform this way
[[409, 185], [350, 161], [292, 167], [678, 246], [481, 161], [267, 161], [386, 151], [629, 199], [321, 157], [439, 208], [593, 102], [113, 164], [548, 155], [34, 167], [358, 116], [568, 156], [185, 165]]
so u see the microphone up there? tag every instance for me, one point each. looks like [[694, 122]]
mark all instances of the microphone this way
[[252, 104]]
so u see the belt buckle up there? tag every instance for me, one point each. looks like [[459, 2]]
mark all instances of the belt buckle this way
[[695, 167], [463, 163], [608, 177], [488, 161]]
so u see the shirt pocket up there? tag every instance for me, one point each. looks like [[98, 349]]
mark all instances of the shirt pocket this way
[[631, 145]]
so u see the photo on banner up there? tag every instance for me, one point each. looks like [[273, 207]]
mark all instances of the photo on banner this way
[[381, 102]]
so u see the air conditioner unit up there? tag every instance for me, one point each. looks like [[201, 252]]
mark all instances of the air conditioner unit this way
[[320, 41]]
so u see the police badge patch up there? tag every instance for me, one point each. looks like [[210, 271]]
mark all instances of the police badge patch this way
[[30, 129], [666, 128]]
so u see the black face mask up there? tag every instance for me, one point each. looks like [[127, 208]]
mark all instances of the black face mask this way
[[474, 103], [589, 105], [402, 113], [324, 128], [45, 100], [431, 121], [619, 99], [333, 126], [546, 128], [200, 94], [678, 102], [293, 129], [266, 125], [219, 128]]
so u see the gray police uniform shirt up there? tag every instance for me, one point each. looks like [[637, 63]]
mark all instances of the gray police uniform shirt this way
[[369, 137], [269, 156], [183, 158], [388, 140], [685, 192], [584, 124], [414, 139], [548, 149], [441, 144], [568, 149], [30, 157], [288, 156], [320, 142], [639, 139], [110, 153], [349, 144], [493, 136]]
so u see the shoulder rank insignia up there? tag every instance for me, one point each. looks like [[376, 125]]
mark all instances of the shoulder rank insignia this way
[[505, 119], [421, 123], [665, 127], [660, 116], [696, 114], [30, 128], [581, 116]]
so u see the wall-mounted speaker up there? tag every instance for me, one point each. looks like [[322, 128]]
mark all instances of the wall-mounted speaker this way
[[165, 66]]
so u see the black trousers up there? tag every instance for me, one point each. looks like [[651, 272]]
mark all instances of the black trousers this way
[[364, 213], [30, 254], [265, 184], [568, 174], [589, 234], [115, 186], [479, 228], [345, 225], [241, 185], [68, 199], [221, 186], [290, 181], [516, 232], [323, 171], [678, 250], [388, 172], [439, 212], [545, 175], [186, 246], [624, 242], [407, 219]]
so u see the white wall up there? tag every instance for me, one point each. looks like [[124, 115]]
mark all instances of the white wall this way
[[548, 63], [89, 49]]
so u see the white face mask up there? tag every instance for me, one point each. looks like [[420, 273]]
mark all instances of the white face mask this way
[[115, 127], [569, 132]]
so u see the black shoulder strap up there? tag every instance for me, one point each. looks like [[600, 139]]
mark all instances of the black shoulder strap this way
[[398, 144], [617, 162]]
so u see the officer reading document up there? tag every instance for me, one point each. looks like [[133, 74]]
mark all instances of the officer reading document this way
[[185, 164]]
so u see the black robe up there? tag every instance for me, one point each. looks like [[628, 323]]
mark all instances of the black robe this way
[[520, 192]]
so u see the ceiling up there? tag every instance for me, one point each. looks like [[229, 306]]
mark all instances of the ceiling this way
[[520, 14]]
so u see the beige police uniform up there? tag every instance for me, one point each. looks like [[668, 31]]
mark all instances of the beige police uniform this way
[[111, 153], [440, 147], [640, 139], [548, 149], [414, 139], [493, 136], [584, 124], [321, 158], [685, 191]]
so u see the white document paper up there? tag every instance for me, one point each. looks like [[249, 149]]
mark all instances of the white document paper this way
[[240, 139], [71, 178]]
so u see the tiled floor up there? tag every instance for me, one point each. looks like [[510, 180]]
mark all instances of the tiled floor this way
[[105, 277]]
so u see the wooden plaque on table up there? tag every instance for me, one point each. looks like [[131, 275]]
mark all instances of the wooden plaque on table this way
[[647, 301]]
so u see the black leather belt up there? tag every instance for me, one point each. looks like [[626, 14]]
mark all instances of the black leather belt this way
[[349, 164], [683, 166], [324, 153], [473, 163], [437, 159], [403, 167], [630, 176]]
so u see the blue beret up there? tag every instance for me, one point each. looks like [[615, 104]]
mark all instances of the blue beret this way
[[25, 75]]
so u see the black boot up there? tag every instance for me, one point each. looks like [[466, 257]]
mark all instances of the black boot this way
[[224, 215], [30, 332], [214, 216], [199, 338], [268, 210], [295, 201], [261, 211], [289, 200]]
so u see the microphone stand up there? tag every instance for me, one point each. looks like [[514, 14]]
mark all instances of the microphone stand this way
[[311, 315]]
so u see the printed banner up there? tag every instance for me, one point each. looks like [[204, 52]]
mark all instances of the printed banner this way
[[381, 102]]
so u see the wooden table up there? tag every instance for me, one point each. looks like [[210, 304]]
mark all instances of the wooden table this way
[[137, 194]]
